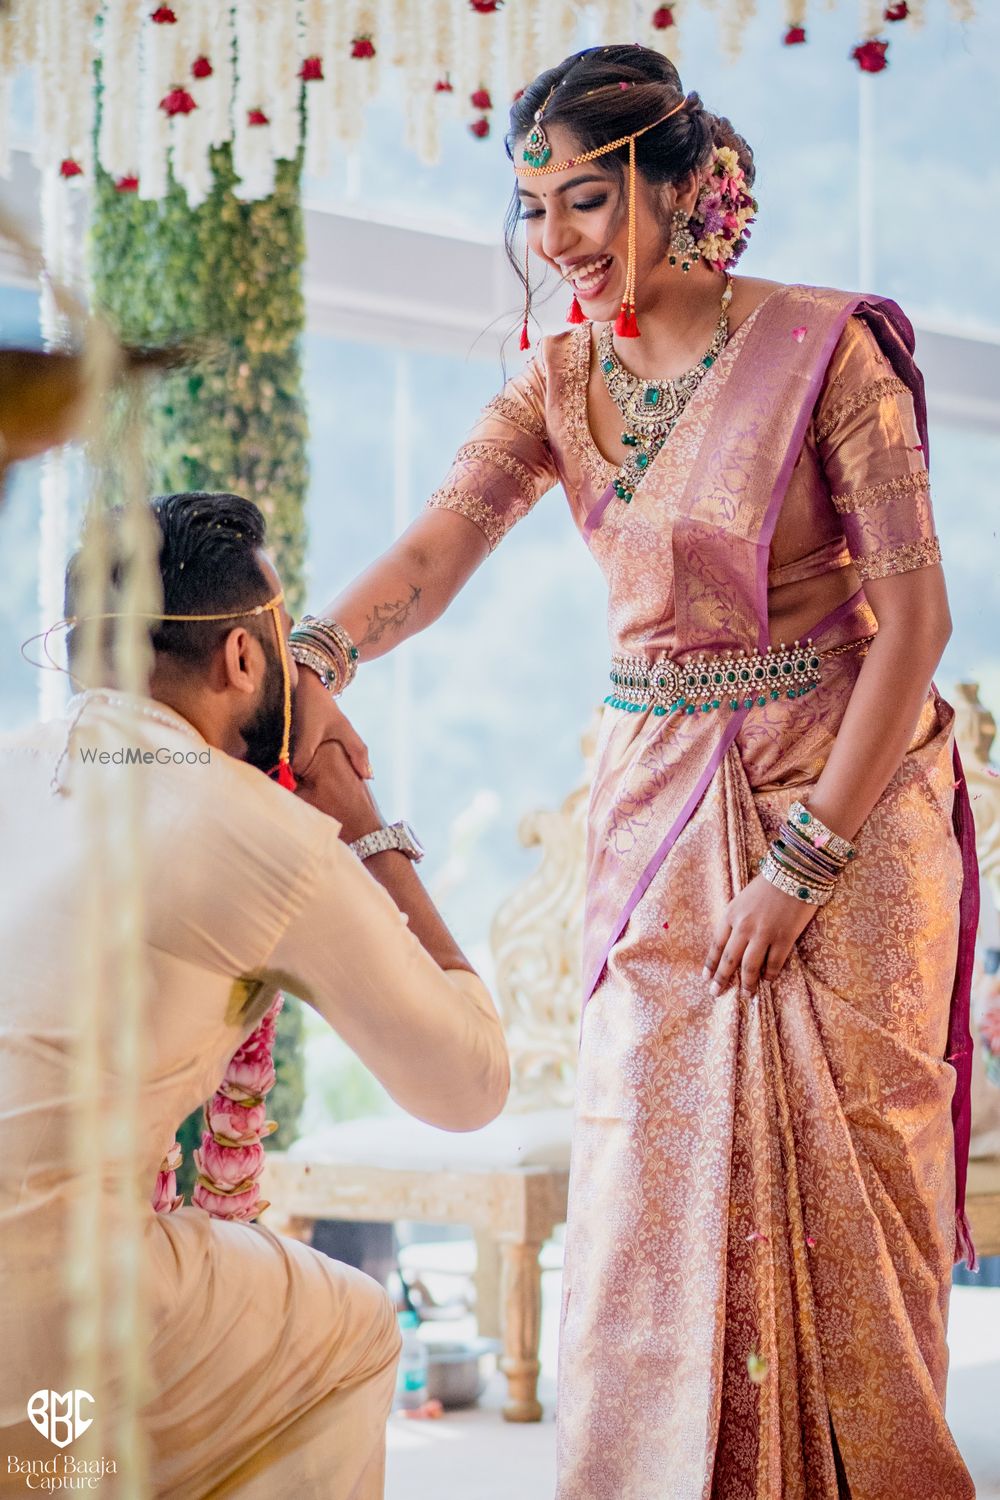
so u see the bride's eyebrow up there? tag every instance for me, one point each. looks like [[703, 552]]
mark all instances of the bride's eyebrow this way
[[563, 187]]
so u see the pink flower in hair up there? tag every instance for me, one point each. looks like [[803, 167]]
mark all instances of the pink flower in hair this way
[[228, 1166]]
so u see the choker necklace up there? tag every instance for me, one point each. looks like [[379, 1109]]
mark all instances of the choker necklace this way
[[651, 408]]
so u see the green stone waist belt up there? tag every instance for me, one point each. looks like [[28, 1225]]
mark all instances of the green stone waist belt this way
[[732, 679]]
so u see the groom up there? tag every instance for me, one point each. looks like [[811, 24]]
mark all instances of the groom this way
[[273, 1366]]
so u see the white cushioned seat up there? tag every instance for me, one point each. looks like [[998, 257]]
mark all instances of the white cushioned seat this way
[[538, 1138]]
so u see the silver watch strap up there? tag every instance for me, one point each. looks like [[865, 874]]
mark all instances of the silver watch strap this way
[[391, 837]]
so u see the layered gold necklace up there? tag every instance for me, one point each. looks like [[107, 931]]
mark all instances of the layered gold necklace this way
[[650, 409]]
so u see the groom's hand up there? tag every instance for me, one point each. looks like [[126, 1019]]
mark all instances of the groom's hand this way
[[330, 783], [318, 718]]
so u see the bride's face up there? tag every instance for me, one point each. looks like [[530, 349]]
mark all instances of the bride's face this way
[[576, 221]]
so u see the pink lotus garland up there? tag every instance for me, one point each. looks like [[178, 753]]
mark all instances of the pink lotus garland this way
[[724, 211], [231, 1157]]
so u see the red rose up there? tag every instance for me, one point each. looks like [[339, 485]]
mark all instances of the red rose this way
[[257, 117], [128, 184], [311, 70], [897, 12], [201, 68], [362, 46], [444, 86], [663, 17], [870, 56], [70, 168], [164, 16], [480, 128], [481, 99], [177, 102], [485, 7], [794, 36]]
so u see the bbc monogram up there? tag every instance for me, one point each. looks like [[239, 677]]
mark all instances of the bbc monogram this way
[[59, 1417]]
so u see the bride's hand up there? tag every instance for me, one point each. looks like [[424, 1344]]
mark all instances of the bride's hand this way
[[755, 935], [319, 718]]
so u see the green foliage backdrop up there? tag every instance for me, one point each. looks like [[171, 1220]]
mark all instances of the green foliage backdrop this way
[[227, 277]]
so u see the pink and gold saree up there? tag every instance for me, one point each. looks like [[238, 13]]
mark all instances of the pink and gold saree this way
[[766, 1182]]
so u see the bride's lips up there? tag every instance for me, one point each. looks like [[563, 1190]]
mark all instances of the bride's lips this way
[[589, 287]]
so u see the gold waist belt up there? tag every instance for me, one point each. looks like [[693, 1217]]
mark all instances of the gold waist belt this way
[[732, 679]]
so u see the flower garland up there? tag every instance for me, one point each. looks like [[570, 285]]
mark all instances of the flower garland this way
[[231, 1157], [178, 81], [724, 211]]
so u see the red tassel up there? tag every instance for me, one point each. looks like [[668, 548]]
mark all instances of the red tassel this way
[[525, 341], [575, 314], [626, 325], [286, 777]]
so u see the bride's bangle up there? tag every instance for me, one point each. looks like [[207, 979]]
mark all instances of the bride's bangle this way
[[815, 832], [330, 641], [324, 666]]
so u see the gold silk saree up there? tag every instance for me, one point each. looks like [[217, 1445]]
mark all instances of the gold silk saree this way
[[767, 1189]]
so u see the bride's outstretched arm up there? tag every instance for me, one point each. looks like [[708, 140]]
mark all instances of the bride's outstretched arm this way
[[403, 592], [412, 584]]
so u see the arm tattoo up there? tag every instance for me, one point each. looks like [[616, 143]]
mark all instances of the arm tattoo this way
[[390, 616]]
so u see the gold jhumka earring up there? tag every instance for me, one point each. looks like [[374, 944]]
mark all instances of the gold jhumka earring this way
[[537, 156]]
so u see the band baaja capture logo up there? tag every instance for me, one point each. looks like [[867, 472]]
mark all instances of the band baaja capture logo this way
[[61, 1418]]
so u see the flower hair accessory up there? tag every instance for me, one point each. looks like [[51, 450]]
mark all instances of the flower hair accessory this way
[[724, 211]]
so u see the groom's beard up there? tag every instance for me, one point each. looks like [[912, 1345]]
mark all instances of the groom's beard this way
[[264, 730]]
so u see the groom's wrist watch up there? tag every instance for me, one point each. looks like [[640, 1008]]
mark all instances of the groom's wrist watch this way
[[397, 836]]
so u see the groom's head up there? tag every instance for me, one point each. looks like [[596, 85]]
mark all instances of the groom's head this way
[[223, 675]]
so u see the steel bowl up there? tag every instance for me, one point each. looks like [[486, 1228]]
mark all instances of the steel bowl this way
[[455, 1370]]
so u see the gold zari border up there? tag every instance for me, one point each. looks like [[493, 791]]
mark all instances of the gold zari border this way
[[874, 391], [519, 416], [902, 559], [472, 508], [881, 494]]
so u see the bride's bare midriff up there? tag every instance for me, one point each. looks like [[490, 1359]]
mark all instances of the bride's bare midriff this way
[[795, 608]]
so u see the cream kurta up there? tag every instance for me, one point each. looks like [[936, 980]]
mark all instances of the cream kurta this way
[[273, 1365]]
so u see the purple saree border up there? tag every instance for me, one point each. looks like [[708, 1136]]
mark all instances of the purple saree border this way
[[960, 1045], [795, 442], [596, 515], [663, 849]]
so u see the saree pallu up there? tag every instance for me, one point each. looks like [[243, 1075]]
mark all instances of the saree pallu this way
[[761, 1182]]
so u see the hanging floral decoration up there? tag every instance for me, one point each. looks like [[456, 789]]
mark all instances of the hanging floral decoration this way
[[870, 56], [181, 80]]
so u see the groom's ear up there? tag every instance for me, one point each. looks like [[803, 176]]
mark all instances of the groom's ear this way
[[240, 662]]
